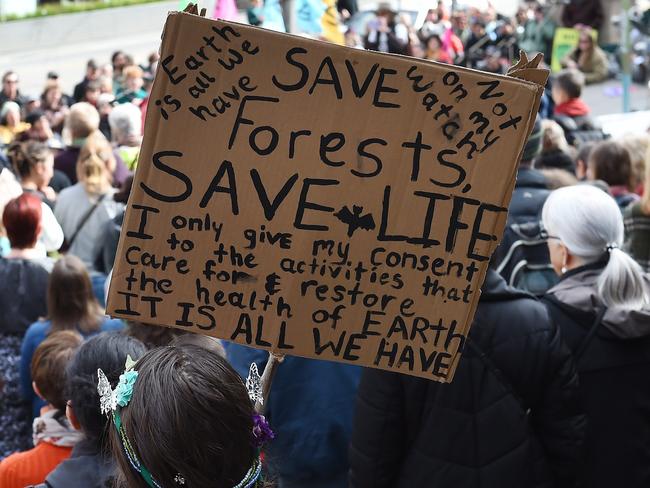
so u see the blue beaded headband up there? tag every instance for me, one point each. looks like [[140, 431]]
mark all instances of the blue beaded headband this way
[[111, 401]]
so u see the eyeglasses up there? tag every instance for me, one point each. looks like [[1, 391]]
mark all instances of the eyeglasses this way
[[11, 82], [543, 233]]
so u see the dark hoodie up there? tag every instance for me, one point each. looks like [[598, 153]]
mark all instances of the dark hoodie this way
[[614, 373], [471, 433]]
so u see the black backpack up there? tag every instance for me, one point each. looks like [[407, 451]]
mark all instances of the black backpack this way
[[526, 263]]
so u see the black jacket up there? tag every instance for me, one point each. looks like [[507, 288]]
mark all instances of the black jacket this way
[[614, 373], [411, 432], [528, 198]]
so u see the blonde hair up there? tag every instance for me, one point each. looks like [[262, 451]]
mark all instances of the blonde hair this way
[[645, 199], [132, 72], [82, 120], [96, 164], [553, 136], [637, 145]]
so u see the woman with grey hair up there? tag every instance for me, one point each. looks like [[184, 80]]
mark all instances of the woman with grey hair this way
[[601, 305], [126, 131]]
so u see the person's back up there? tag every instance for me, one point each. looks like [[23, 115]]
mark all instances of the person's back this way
[[23, 285], [508, 420], [602, 309], [310, 408], [71, 306], [571, 112], [522, 257], [84, 209], [637, 231], [89, 465], [53, 435]]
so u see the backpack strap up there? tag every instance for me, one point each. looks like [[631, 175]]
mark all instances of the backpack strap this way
[[550, 299], [494, 369], [84, 219], [590, 335]]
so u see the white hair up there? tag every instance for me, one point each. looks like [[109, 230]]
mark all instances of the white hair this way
[[589, 223], [125, 121]]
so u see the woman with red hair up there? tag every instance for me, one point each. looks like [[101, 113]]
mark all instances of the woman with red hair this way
[[24, 275]]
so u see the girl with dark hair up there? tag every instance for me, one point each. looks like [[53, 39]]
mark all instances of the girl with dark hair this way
[[435, 50], [182, 417], [71, 305], [90, 464], [610, 162]]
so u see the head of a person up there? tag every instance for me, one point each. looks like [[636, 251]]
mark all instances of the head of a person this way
[[478, 28], [152, 335], [92, 92], [39, 126], [126, 124], [553, 136], [153, 59], [637, 146], [82, 120], [206, 342], [21, 219], [106, 70], [96, 164], [645, 199], [582, 159], [585, 41], [533, 145], [92, 70], [434, 43], [52, 95], [585, 225], [567, 85], [610, 162], [122, 196], [70, 300], [49, 362], [10, 84], [105, 104], [107, 351], [118, 60], [33, 162], [105, 84], [10, 114], [539, 12], [189, 417], [133, 78]]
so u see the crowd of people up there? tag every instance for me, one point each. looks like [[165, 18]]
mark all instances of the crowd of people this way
[[554, 396], [486, 40]]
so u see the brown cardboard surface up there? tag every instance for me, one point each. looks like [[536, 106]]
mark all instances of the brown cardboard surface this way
[[319, 201]]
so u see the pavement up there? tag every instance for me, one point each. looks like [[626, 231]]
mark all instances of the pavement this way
[[64, 43]]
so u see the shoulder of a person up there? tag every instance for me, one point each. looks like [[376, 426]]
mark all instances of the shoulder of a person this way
[[109, 324], [39, 327], [70, 192], [526, 315], [633, 210]]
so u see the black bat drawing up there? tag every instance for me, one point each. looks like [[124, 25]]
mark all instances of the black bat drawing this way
[[354, 219]]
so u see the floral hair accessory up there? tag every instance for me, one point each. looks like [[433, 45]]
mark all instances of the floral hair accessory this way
[[112, 401], [262, 432]]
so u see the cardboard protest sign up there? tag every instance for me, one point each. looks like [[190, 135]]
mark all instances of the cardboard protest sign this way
[[314, 200]]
